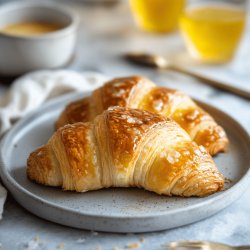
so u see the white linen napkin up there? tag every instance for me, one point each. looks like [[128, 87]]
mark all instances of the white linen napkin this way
[[33, 89]]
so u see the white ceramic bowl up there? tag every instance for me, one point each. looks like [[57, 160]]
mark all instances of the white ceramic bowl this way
[[20, 54]]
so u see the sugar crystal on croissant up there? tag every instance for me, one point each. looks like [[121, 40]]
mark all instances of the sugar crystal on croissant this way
[[125, 148]]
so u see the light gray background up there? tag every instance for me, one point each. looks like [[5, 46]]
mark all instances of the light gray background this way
[[105, 33]]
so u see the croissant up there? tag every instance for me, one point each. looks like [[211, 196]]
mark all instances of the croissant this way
[[125, 148], [141, 93]]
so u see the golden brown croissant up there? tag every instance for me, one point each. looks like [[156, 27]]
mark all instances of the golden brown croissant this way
[[138, 92], [125, 148]]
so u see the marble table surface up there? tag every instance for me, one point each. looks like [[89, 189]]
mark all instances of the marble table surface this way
[[106, 32]]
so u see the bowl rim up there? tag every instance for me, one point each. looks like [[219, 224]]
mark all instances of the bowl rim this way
[[68, 29]]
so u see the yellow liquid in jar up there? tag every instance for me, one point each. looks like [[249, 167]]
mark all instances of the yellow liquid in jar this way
[[157, 15], [30, 28], [213, 32]]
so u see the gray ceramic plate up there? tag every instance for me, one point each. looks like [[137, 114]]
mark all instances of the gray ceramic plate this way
[[117, 210]]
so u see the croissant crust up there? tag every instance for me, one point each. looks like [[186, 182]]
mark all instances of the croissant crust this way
[[126, 148]]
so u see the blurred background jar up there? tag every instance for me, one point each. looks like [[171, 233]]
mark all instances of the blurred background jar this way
[[157, 15], [212, 29]]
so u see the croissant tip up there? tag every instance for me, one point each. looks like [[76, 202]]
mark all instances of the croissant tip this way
[[31, 169], [40, 168], [220, 146]]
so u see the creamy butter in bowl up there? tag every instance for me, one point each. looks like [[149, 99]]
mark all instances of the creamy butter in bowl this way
[[35, 36]]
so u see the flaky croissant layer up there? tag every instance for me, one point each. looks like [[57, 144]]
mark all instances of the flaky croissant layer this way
[[140, 93], [125, 148]]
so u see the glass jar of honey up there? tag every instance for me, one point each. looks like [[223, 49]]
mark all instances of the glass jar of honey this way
[[157, 15], [212, 29]]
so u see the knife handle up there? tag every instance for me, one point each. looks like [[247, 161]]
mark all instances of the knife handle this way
[[215, 83]]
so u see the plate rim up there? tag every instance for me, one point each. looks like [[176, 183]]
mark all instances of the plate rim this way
[[6, 177]]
